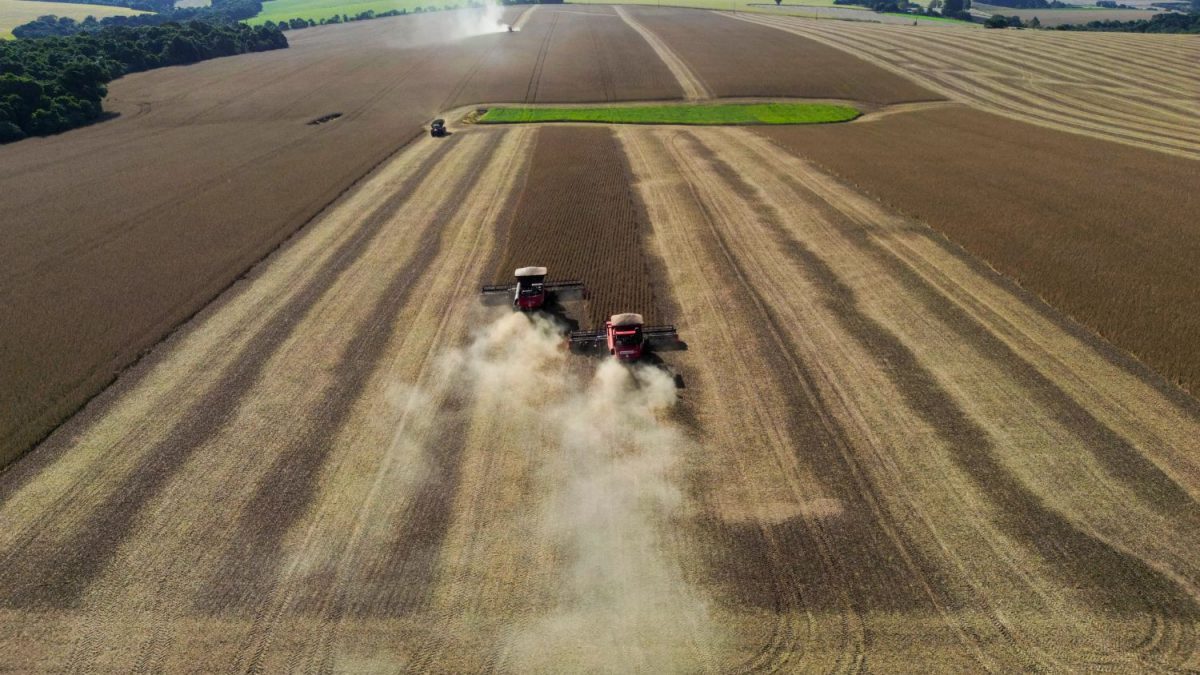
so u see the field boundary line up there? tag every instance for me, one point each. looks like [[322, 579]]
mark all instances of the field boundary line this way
[[524, 18], [693, 87]]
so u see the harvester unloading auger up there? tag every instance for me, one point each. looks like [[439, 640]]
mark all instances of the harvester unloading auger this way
[[626, 337], [531, 291]]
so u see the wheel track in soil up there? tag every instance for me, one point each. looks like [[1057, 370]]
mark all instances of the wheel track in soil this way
[[692, 86], [245, 320], [772, 161], [821, 192], [535, 77], [336, 607], [681, 157], [304, 299], [176, 447], [452, 326], [854, 635], [844, 270]]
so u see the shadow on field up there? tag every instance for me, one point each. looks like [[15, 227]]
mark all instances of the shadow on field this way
[[1115, 581]]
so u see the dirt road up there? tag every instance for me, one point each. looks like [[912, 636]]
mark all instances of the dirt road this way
[[883, 455]]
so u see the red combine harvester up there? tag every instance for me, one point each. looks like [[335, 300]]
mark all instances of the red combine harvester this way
[[531, 290], [626, 337]]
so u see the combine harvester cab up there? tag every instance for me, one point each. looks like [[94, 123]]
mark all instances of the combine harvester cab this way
[[531, 292], [626, 337]]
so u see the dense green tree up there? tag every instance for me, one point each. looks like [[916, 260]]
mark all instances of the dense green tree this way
[[1164, 22], [51, 84], [10, 132]]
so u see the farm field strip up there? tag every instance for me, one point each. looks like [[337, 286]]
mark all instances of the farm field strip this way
[[718, 55], [876, 304], [331, 374], [346, 463], [1019, 74], [591, 233], [567, 56], [1121, 240], [693, 88]]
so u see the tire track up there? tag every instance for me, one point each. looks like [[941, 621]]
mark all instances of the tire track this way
[[535, 77], [859, 485], [331, 600], [287, 488], [693, 87], [1024, 517]]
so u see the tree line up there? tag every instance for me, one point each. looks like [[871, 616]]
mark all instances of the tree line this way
[[951, 9], [221, 11], [1171, 22], [53, 84]]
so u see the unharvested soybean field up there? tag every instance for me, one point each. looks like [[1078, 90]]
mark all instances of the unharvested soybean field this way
[[878, 452]]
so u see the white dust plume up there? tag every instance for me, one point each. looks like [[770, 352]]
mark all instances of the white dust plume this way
[[608, 470], [479, 20]]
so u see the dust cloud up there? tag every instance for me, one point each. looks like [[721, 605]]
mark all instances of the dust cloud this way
[[608, 464], [454, 25], [479, 20]]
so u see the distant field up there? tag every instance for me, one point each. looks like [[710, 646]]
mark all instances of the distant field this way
[[13, 13], [277, 10], [737, 5], [1058, 17], [754, 113], [813, 9]]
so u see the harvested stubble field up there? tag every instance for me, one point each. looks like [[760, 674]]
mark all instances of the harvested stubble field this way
[[571, 54], [116, 233], [1141, 90], [751, 60], [1103, 232], [887, 456], [341, 465]]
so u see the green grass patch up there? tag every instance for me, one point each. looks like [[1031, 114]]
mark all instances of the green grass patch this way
[[730, 113], [282, 10], [939, 19]]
